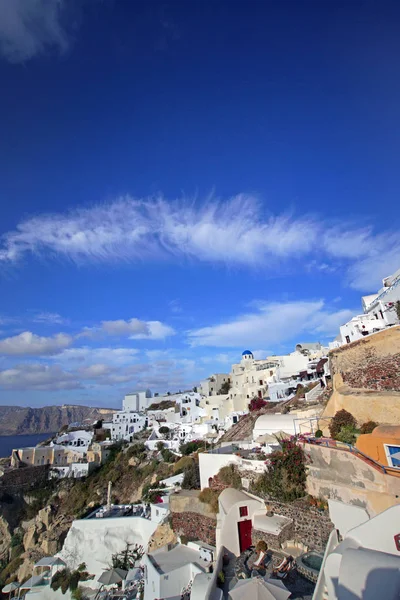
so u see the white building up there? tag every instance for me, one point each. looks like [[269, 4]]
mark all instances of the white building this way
[[379, 313], [212, 385], [211, 463], [235, 518], [365, 565], [171, 570], [184, 407], [249, 379], [126, 423], [75, 439], [137, 401]]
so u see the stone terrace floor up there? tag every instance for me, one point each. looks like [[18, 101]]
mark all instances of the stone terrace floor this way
[[301, 588]]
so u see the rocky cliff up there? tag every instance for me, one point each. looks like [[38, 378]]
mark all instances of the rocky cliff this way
[[16, 420]]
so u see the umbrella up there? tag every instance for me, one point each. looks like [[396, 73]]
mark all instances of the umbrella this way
[[112, 576], [282, 435], [267, 438], [11, 587], [259, 589]]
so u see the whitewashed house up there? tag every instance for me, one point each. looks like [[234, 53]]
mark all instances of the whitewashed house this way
[[212, 385], [379, 313], [172, 569], [126, 423], [137, 401]]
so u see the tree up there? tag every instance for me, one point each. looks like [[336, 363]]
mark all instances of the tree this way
[[191, 478], [341, 419], [128, 558], [225, 387], [160, 446], [285, 478]]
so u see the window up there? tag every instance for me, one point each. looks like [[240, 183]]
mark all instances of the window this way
[[392, 455], [348, 339], [261, 382], [243, 511]]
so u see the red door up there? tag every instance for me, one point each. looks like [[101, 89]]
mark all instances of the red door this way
[[244, 534]]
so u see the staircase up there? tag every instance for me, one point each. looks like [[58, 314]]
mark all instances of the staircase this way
[[314, 394]]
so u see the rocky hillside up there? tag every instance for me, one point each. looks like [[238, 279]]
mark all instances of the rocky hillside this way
[[16, 420]]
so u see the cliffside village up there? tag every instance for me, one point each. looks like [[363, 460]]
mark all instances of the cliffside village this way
[[339, 540]]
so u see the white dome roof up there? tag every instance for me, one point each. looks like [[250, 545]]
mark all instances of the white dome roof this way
[[275, 423]]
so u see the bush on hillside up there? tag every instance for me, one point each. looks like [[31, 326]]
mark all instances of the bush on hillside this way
[[368, 427], [341, 419], [137, 450], [181, 464], [285, 478], [257, 404], [160, 446], [318, 433], [191, 478], [168, 456], [210, 497], [229, 475], [188, 448]]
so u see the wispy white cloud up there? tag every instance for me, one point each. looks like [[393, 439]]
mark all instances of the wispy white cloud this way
[[236, 232], [272, 323], [30, 344], [31, 27], [175, 306], [130, 229], [49, 318]]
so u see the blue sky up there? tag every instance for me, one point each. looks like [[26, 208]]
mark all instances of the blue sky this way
[[181, 180]]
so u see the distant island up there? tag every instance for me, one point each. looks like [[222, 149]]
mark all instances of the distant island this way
[[18, 420]]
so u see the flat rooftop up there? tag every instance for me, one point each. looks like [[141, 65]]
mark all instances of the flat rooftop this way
[[166, 561]]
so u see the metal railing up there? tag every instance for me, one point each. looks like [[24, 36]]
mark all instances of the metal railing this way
[[334, 444]]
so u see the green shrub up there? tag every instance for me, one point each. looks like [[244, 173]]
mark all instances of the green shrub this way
[[191, 478], [168, 456], [164, 430], [160, 446], [318, 433], [210, 497], [341, 419], [16, 539], [229, 475], [368, 427], [181, 464], [347, 435], [10, 569], [136, 450], [188, 448]]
